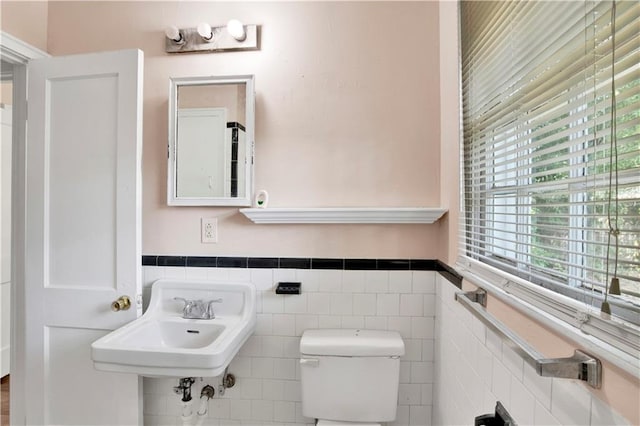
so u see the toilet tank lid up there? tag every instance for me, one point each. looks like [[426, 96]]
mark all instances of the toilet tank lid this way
[[351, 342]]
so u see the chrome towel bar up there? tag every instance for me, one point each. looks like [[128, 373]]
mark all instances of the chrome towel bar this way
[[581, 365]]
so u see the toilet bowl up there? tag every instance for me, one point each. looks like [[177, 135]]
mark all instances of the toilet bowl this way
[[350, 376]]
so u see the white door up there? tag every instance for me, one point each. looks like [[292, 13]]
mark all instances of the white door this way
[[82, 244]]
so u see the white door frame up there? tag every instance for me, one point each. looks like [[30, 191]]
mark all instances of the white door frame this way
[[17, 52]]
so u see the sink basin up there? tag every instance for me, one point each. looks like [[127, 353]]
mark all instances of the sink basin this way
[[162, 343], [160, 335]]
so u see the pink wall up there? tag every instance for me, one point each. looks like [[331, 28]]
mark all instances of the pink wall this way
[[26, 20], [347, 115]]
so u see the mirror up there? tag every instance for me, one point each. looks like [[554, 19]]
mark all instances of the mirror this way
[[211, 130]]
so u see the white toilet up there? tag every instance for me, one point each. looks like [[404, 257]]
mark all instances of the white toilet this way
[[350, 377]]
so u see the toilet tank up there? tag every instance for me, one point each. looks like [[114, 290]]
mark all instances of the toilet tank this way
[[350, 375]]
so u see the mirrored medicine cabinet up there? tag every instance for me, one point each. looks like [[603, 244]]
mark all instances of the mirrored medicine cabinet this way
[[211, 140]]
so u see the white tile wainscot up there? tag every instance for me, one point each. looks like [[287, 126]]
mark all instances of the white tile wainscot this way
[[267, 390], [473, 370]]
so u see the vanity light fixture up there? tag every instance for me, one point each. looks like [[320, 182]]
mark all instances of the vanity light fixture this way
[[204, 38], [205, 31]]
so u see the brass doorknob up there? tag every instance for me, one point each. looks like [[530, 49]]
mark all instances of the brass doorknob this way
[[122, 304]]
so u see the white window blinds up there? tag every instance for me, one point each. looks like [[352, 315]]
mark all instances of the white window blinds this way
[[551, 129]]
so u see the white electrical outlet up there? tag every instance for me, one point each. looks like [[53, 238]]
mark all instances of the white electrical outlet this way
[[209, 230]]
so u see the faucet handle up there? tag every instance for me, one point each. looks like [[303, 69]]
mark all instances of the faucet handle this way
[[210, 313], [187, 303]]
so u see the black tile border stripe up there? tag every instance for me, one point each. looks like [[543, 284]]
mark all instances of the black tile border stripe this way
[[172, 260], [204, 262], [263, 262], [450, 274], [394, 264], [308, 263], [317, 263], [294, 263], [360, 264], [232, 262], [304, 263]]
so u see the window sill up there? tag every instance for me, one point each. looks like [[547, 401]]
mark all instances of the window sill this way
[[364, 215]]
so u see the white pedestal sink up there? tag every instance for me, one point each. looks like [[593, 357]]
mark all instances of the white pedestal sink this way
[[163, 343]]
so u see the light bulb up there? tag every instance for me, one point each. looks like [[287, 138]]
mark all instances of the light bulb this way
[[205, 31], [173, 33], [236, 29]]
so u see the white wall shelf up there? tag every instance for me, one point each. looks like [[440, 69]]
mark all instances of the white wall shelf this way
[[344, 215]]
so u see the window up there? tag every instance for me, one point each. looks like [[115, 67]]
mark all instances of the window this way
[[551, 151]]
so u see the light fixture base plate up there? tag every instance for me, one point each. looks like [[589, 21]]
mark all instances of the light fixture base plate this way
[[222, 41]]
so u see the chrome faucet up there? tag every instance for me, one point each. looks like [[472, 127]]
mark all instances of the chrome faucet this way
[[198, 309]]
